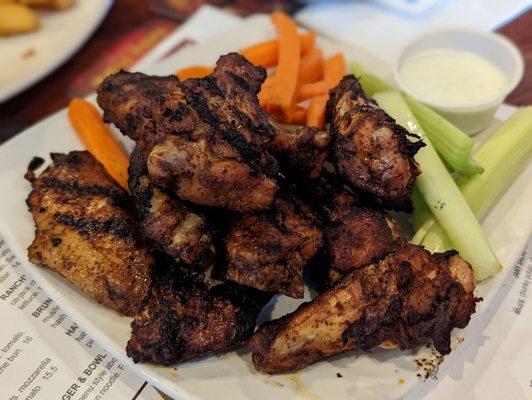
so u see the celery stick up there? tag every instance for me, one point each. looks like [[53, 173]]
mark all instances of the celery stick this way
[[421, 212], [441, 194], [504, 155], [422, 231], [453, 145], [370, 83], [434, 239]]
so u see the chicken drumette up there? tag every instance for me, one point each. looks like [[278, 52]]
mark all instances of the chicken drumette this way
[[357, 235], [176, 229], [183, 316], [370, 151]]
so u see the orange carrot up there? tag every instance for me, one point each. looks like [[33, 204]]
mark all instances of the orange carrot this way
[[309, 90], [311, 67], [266, 53], [195, 71], [307, 42], [283, 89], [264, 94], [96, 136], [316, 111], [294, 115], [333, 71]]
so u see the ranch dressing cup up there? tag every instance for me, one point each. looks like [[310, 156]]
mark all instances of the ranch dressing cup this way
[[463, 75]]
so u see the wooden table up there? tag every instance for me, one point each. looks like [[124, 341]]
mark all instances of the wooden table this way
[[51, 94]]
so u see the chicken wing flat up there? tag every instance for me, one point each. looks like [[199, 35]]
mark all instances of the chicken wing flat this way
[[409, 298], [370, 150], [183, 317], [173, 226], [86, 233], [268, 251], [357, 235]]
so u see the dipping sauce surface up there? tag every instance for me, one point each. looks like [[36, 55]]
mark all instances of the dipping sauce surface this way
[[452, 78]]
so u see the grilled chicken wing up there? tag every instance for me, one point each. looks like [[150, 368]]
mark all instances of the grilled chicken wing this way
[[193, 171], [172, 225], [268, 251], [409, 298], [182, 318], [85, 232], [302, 152], [219, 139], [197, 151], [370, 150], [357, 235]]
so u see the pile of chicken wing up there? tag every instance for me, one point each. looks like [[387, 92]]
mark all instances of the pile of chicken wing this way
[[227, 208]]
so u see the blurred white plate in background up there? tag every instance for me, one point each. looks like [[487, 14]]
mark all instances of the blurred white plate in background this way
[[27, 58]]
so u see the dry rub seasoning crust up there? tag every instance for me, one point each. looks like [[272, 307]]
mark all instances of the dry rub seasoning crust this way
[[86, 232]]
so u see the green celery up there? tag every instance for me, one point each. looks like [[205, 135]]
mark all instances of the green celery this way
[[370, 83], [421, 212], [453, 145], [504, 156], [421, 233], [442, 195]]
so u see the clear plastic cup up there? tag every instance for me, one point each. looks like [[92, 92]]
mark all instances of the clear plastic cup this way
[[492, 47]]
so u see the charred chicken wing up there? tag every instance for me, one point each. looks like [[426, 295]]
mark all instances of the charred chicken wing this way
[[268, 251], [357, 235], [183, 317], [174, 227], [407, 299], [196, 151], [370, 150], [85, 231], [211, 139]]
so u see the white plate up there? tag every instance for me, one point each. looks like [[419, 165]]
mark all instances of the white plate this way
[[61, 33], [230, 374]]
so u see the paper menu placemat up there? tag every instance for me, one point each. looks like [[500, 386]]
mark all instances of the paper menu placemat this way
[[46, 355]]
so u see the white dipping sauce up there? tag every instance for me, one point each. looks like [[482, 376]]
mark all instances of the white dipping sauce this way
[[452, 78]]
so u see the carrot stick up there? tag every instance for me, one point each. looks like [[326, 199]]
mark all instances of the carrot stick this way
[[265, 91], [333, 71], [195, 71], [96, 136], [295, 115], [309, 90], [285, 81], [307, 42], [311, 67], [266, 53], [316, 111]]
